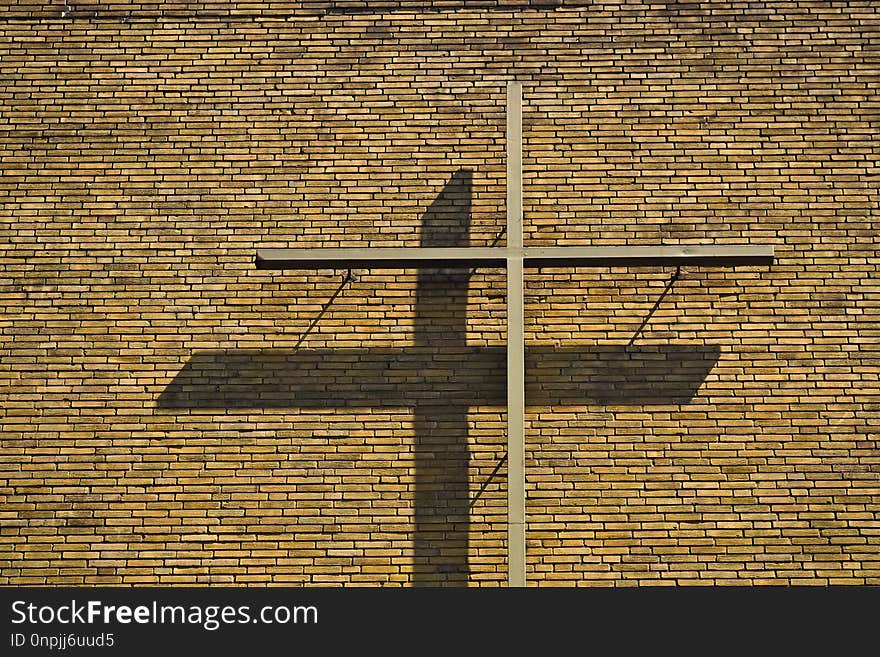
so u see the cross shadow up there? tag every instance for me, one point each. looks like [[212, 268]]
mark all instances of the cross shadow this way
[[424, 375], [440, 377], [442, 520]]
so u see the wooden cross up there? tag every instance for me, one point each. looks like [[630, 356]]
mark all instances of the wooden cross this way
[[514, 257]]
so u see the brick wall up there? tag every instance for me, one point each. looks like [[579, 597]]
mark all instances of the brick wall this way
[[170, 414]]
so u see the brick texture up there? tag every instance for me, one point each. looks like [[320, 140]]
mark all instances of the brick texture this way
[[171, 415]]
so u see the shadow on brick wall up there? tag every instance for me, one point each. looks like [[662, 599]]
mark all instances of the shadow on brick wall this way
[[440, 377], [420, 376]]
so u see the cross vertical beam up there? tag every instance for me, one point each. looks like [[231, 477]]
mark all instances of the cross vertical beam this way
[[516, 396]]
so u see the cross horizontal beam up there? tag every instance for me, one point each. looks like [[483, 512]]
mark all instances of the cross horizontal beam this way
[[533, 257], [393, 258]]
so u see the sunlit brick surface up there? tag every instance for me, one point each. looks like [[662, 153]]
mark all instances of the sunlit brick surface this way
[[169, 414]]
